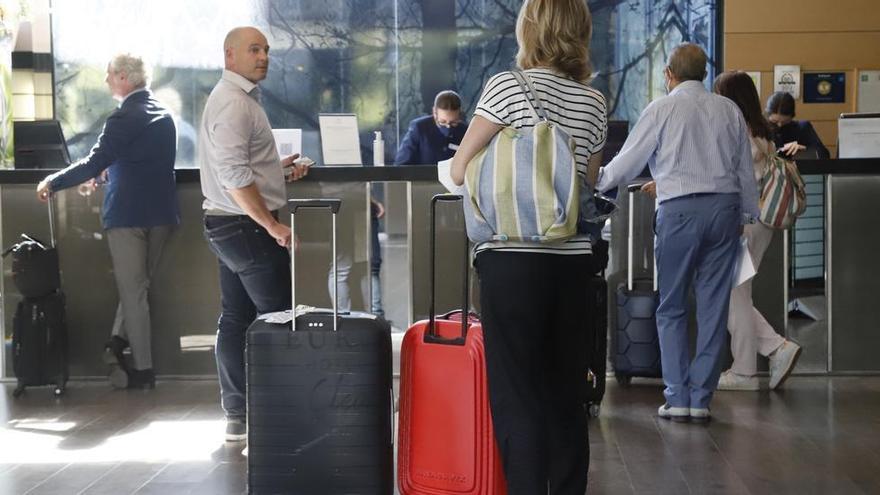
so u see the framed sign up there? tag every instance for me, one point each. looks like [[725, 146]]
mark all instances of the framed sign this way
[[340, 142], [825, 87], [787, 78]]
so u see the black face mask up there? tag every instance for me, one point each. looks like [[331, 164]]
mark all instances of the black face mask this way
[[445, 131]]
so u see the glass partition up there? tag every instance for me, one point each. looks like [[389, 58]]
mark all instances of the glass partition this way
[[384, 60]]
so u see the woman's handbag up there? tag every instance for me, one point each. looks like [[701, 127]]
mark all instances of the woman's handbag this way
[[783, 193], [524, 185]]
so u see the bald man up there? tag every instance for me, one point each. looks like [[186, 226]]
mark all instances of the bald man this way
[[243, 184], [697, 146]]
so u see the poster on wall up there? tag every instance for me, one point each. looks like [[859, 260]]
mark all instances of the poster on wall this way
[[756, 78], [7, 42], [787, 78], [869, 91], [825, 87]]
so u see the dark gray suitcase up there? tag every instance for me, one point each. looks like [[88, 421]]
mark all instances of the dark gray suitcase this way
[[39, 326], [39, 343], [320, 399], [636, 341]]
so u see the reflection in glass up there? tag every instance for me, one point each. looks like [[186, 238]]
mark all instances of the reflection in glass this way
[[381, 59]]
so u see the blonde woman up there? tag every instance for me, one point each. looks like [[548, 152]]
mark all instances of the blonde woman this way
[[535, 321]]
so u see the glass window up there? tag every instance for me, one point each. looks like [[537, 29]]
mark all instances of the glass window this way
[[381, 59]]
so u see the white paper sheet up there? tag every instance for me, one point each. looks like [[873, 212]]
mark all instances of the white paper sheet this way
[[340, 143], [745, 268], [444, 175], [288, 141]]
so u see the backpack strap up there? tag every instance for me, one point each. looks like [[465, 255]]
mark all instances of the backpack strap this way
[[526, 86]]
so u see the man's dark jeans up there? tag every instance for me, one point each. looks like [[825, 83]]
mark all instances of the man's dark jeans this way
[[254, 279]]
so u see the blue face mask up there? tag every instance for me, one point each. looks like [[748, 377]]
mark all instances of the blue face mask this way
[[444, 131]]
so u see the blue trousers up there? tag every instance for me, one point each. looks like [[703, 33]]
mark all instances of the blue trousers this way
[[254, 279], [696, 244]]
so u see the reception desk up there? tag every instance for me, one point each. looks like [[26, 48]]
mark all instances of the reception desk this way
[[185, 292]]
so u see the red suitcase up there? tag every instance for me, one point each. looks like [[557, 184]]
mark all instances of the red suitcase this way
[[446, 440]]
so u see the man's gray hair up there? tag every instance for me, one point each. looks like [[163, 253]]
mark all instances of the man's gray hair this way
[[136, 70], [687, 62]]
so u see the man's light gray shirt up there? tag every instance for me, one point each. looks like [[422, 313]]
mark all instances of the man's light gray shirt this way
[[237, 148], [694, 141]]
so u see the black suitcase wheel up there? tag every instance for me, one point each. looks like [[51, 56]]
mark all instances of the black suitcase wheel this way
[[18, 391], [593, 410], [623, 380], [59, 391]]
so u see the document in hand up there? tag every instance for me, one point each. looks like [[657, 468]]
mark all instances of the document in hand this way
[[745, 268], [444, 175]]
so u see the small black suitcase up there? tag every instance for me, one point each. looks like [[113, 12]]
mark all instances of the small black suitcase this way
[[39, 327], [39, 343], [597, 355], [320, 400], [636, 341]]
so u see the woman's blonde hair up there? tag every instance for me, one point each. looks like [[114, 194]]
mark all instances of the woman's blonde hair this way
[[555, 34]]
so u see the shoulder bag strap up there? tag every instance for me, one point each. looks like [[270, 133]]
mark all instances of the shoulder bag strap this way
[[526, 86]]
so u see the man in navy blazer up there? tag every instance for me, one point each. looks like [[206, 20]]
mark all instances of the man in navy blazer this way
[[434, 138], [135, 154]]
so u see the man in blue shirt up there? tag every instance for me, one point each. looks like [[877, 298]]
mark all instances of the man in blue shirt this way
[[697, 146], [135, 153], [434, 138]]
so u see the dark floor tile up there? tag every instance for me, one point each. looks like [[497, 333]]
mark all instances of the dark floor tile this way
[[72, 479], [186, 472], [225, 479], [124, 478], [818, 435]]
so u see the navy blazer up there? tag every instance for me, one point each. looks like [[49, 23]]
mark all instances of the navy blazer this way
[[424, 145], [138, 145], [801, 131]]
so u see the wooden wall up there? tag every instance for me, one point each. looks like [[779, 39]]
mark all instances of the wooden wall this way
[[818, 35]]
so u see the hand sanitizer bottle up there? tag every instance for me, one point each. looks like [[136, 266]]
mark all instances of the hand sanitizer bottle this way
[[378, 150]]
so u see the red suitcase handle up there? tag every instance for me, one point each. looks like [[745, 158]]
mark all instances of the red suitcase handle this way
[[431, 335]]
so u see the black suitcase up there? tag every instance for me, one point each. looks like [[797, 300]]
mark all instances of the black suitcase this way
[[320, 400], [39, 327], [597, 355], [35, 269], [39, 343], [637, 344]]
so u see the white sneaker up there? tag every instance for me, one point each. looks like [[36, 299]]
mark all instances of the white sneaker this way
[[734, 381], [699, 414], [782, 362], [677, 414]]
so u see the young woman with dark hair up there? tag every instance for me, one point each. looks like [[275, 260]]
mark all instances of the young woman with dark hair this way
[[750, 333]]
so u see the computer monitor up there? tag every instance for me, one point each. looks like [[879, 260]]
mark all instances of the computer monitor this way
[[40, 144]]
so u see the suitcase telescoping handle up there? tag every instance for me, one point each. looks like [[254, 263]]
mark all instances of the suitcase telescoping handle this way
[[51, 207], [326, 204], [431, 336], [632, 189]]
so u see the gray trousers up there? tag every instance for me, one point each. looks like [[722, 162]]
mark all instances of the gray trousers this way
[[135, 252]]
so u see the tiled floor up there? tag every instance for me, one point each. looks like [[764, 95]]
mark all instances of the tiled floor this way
[[818, 436]]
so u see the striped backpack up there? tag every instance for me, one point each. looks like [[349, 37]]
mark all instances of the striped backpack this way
[[783, 195], [524, 185]]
